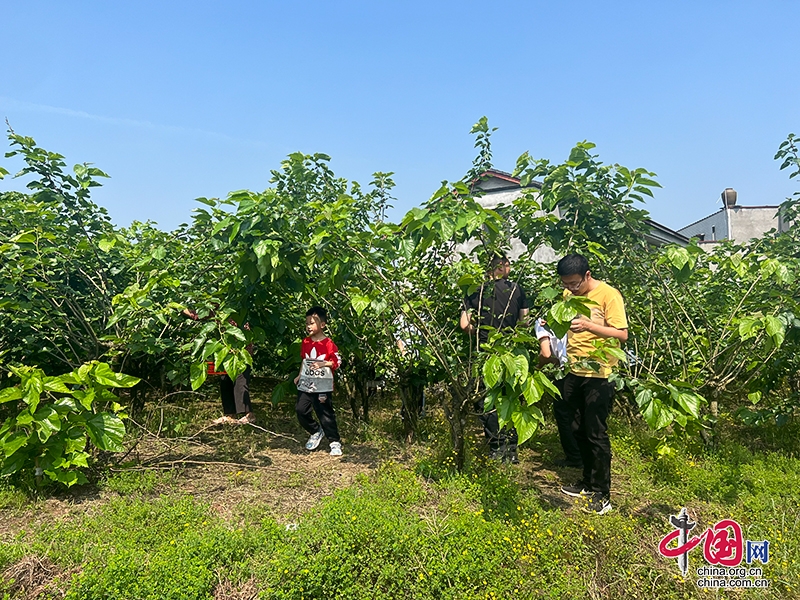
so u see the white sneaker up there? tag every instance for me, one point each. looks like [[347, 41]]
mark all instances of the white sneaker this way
[[336, 448], [314, 440]]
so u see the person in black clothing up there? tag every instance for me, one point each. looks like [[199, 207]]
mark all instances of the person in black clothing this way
[[235, 394], [501, 304]]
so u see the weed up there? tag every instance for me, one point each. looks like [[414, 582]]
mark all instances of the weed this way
[[137, 482], [424, 531], [12, 498]]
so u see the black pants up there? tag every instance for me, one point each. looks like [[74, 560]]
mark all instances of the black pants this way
[[563, 415], [236, 396], [321, 403], [589, 399], [504, 439]]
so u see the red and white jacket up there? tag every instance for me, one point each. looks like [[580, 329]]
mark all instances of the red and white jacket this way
[[315, 378], [323, 349]]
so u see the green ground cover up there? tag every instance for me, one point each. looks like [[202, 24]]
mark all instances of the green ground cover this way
[[407, 525]]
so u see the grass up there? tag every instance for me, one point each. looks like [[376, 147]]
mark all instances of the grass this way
[[396, 521]]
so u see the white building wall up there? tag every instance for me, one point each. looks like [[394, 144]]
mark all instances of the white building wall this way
[[749, 222], [491, 200]]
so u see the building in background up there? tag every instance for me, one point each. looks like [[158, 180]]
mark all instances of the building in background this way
[[735, 222], [501, 188]]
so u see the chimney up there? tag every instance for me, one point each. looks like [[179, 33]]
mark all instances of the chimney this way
[[729, 197]]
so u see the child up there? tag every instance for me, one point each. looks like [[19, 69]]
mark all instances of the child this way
[[315, 383]]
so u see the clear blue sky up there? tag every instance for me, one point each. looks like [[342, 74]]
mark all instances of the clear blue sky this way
[[177, 100]]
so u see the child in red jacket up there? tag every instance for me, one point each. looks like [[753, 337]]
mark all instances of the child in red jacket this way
[[315, 383]]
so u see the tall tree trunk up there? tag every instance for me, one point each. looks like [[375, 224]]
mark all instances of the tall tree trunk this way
[[409, 412], [454, 412], [713, 408], [350, 388], [366, 394]]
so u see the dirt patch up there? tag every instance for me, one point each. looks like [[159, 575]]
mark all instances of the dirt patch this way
[[69, 504], [285, 488], [225, 590], [243, 472], [32, 577]]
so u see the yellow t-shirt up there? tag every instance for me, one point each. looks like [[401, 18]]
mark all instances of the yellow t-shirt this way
[[610, 312]]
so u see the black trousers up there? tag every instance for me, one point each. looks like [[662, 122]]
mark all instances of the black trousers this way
[[236, 396], [499, 439], [321, 404], [589, 399], [563, 415]]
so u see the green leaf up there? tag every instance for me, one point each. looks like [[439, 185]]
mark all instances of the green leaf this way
[[561, 315], [199, 342], [679, 257], [106, 243], [406, 248], [262, 247], [754, 397], [10, 394], [14, 442], [106, 431], [236, 333], [549, 294], [24, 418], [532, 389], [492, 399], [14, 464], [80, 459], [220, 355], [468, 283], [219, 226], [198, 374], [105, 376], [75, 440], [546, 384], [68, 478], [516, 369], [35, 387], [47, 422], [526, 421], [643, 397], [775, 329], [690, 403], [281, 391], [655, 413], [505, 408], [748, 327], [359, 303], [448, 229], [235, 365], [82, 374], [211, 347], [56, 384], [24, 238], [85, 398], [492, 371], [615, 351]]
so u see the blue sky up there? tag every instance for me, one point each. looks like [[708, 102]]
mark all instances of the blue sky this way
[[177, 100]]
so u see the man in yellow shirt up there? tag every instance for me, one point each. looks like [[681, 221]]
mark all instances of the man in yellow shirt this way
[[587, 390]]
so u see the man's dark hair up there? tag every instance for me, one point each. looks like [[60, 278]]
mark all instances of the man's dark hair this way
[[573, 264], [497, 260], [318, 311]]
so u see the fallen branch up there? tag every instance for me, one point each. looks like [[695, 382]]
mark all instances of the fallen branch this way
[[170, 464]]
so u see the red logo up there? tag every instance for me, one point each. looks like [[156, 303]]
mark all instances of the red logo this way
[[723, 543]]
